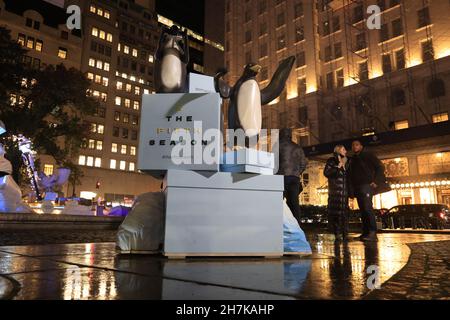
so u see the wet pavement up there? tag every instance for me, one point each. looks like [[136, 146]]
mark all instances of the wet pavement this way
[[334, 271]]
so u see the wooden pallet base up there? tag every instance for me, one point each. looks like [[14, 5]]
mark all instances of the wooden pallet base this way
[[182, 256], [124, 252]]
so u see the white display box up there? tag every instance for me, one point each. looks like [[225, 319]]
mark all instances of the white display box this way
[[223, 214], [199, 83], [161, 119], [248, 161]]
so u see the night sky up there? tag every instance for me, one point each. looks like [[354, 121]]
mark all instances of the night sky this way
[[189, 13]]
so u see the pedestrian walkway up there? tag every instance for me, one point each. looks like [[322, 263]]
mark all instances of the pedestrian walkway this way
[[334, 271]]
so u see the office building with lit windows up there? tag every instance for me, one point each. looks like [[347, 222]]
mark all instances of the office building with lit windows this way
[[114, 48], [387, 86]]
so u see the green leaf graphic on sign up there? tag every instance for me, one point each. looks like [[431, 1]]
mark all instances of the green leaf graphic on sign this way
[[184, 100]]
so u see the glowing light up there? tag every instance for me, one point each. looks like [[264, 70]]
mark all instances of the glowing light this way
[[398, 160], [414, 62], [445, 52], [311, 88], [350, 81], [292, 94], [274, 101], [376, 74], [439, 155]]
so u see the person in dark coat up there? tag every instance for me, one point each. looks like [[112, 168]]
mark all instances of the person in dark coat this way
[[336, 170], [367, 179], [292, 163]]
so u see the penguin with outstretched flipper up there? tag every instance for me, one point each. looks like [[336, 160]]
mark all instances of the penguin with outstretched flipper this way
[[246, 98], [171, 60]]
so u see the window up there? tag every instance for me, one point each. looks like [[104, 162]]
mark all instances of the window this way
[[298, 9], [398, 97], [436, 89], [114, 148], [90, 161], [134, 135], [281, 44], [440, 117], [126, 49], [386, 63], [82, 160], [280, 19], [337, 50], [116, 116], [263, 28], [48, 169], [116, 132], [358, 14], [99, 145], [100, 129], [124, 133], [113, 164], [119, 86], [135, 53], [91, 144], [123, 165], [21, 39], [136, 105], [301, 86], [423, 16], [126, 118], [299, 34], [128, 87], [92, 8], [132, 166], [118, 101], [397, 27], [39, 45], [127, 103], [29, 22], [326, 28], [137, 91], [400, 125], [336, 24], [363, 71], [427, 50], [330, 80], [30, 43], [400, 59], [123, 150], [102, 34], [328, 54], [248, 36], [262, 6], [98, 162], [62, 53], [361, 41], [384, 32], [134, 120], [132, 151], [106, 66], [94, 32], [340, 78]]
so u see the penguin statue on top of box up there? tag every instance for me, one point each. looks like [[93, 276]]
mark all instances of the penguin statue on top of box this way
[[246, 98], [172, 58]]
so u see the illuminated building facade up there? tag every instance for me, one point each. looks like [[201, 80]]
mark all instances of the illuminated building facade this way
[[114, 48], [388, 86]]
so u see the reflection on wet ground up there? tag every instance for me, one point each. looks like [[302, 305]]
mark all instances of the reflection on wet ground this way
[[96, 271]]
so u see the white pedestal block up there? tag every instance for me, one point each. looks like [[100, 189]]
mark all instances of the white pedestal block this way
[[248, 161], [223, 214], [168, 118]]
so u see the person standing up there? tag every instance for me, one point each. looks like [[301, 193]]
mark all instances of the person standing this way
[[292, 163], [336, 170], [367, 179]]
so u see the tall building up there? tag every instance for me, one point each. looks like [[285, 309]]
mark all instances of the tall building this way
[[386, 86], [114, 48], [204, 22]]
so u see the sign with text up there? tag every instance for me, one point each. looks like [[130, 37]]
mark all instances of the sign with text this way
[[180, 132]]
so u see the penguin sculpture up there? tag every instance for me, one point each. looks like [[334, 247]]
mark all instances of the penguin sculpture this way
[[172, 58], [246, 98]]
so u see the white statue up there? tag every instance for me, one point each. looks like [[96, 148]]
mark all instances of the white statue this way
[[10, 193]]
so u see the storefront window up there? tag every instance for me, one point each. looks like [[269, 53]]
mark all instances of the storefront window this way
[[434, 163], [397, 167]]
